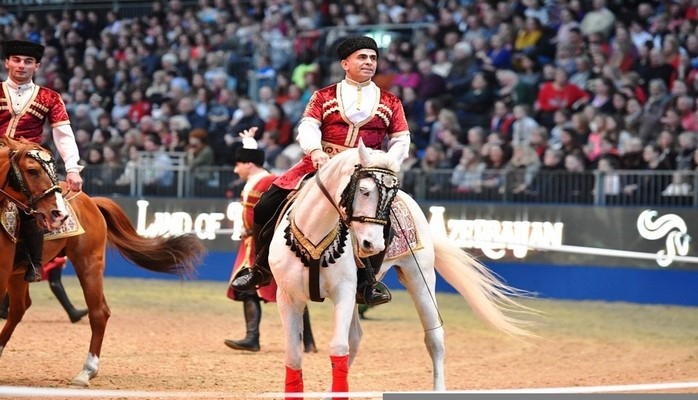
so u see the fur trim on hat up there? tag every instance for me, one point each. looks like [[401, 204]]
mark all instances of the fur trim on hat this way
[[23, 48], [352, 44], [254, 156]]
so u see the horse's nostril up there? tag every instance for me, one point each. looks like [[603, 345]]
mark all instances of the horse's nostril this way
[[58, 214], [367, 245]]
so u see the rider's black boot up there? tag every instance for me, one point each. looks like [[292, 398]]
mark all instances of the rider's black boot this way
[[369, 291], [308, 340], [33, 237], [54, 282], [253, 314], [260, 273]]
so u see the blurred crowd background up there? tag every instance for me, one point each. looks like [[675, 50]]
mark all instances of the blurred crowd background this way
[[551, 100]]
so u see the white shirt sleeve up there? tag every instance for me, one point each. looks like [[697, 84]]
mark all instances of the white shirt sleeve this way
[[309, 136], [64, 139], [399, 147]]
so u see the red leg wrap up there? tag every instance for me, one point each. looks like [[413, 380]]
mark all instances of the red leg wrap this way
[[294, 381], [340, 372]]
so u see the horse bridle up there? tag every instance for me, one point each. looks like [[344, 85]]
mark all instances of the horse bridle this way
[[387, 184], [17, 178]]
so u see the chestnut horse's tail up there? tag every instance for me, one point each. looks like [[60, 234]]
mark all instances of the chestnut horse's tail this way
[[178, 255]]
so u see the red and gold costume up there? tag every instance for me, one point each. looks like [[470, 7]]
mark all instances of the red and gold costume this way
[[338, 132], [44, 104], [24, 110], [255, 186]]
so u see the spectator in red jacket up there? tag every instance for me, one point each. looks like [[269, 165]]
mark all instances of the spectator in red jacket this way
[[558, 94]]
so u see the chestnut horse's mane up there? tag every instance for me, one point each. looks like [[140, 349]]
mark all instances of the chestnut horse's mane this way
[[20, 145]]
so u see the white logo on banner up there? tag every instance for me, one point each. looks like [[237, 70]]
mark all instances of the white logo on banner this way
[[670, 226], [495, 237]]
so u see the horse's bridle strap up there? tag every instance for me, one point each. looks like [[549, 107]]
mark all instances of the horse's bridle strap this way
[[324, 191], [25, 208]]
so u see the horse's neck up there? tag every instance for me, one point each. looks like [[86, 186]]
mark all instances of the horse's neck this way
[[4, 164], [315, 216]]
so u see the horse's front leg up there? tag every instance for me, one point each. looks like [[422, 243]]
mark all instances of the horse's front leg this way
[[355, 334], [18, 290], [292, 320], [344, 307], [89, 271]]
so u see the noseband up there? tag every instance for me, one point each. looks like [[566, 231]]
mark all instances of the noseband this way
[[387, 184], [19, 183]]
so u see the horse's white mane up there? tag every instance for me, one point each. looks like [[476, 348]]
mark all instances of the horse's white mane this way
[[342, 166]]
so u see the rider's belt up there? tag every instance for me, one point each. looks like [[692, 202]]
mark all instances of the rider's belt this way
[[332, 149]]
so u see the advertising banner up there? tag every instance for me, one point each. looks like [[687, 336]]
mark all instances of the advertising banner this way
[[539, 234]]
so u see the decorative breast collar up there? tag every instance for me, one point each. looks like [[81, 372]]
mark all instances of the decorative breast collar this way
[[322, 254]]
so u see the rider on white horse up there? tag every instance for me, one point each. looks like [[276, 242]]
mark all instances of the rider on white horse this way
[[336, 118]]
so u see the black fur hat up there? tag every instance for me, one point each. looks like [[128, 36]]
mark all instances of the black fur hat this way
[[254, 156], [351, 44], [23, 48]]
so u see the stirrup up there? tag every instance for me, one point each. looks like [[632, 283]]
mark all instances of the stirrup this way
[[374, 294], [32, 274]]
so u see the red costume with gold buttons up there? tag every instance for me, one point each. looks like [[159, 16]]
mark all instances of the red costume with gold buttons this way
[[338, 133], [29, 123]]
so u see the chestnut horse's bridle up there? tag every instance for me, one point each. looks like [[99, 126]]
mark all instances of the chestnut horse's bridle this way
[[16, 180]]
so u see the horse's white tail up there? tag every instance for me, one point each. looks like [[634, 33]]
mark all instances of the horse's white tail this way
[[490, 298]]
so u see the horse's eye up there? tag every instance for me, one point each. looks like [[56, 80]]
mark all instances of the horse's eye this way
[[33, 172], [364, 190]]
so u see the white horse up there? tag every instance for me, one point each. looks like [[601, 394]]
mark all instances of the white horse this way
[[339, 215]]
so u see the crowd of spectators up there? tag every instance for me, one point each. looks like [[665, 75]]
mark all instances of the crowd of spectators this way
[[487, 86]]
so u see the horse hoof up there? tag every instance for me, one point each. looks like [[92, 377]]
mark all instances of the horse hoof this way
[[82, 380], [79, 383]]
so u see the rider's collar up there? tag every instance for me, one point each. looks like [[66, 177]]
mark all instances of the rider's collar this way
[[14, 86], [358, 85]]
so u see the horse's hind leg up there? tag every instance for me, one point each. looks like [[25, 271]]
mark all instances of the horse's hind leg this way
[[292, 320], [421, 287], [355, 334], [20, 301]]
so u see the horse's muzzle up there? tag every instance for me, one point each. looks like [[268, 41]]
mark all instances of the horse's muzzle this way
[[368, 248]]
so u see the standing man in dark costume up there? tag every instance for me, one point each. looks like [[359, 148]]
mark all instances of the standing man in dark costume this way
[[24, 109], [335, 119], [249, 166]]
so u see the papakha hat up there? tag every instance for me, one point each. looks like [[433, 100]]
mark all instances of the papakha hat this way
[[354, 43], [254, 156], [23, 48], [249, 152]]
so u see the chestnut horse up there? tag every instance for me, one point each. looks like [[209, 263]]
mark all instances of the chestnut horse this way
[[27, 180], [103, 222]]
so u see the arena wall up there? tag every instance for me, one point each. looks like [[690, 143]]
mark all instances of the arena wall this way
[[640, 255]]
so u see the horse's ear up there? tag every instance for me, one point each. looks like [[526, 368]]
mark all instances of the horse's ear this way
[[364, 154]]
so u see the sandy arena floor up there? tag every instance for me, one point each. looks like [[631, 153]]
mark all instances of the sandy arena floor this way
[[168, 336]]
